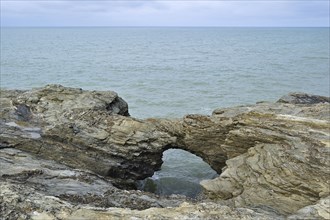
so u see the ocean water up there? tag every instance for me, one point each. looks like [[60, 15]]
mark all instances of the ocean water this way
[[170, 72]]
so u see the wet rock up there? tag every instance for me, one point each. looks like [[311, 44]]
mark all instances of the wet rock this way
[[23, 113]]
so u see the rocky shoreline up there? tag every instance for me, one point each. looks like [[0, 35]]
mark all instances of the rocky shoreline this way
[[66, 153]]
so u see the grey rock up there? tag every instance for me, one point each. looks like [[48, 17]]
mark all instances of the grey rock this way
[[320, 210], [32, 178], [303, 98], [90, 127], [272, 157]]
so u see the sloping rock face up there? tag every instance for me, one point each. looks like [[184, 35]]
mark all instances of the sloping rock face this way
[[273, 157], [82, 129], [283, 157]]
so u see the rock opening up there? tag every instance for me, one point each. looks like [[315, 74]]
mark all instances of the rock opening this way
[[180, 173]]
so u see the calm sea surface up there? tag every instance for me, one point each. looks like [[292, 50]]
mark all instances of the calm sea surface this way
[[169, 72]]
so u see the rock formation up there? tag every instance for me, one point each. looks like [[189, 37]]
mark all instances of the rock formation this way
[[82, 129], [68, 153]]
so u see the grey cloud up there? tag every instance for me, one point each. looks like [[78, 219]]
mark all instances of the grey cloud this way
[[99, 6], [158, 13]]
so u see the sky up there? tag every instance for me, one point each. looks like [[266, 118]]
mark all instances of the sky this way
[[265, 13]]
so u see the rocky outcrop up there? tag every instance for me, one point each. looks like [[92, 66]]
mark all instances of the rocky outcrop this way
[[272, 157], [30, 184], [22, 202], [284, 165], [303, 98], [82, 129]]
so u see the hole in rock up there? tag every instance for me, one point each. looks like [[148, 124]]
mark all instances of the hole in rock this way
[[180, 173]]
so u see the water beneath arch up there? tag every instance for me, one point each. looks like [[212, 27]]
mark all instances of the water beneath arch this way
[[180, 173]]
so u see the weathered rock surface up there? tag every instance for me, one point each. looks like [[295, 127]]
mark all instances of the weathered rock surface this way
[[30, 184], [82, 129], [21, 202], [303, 98], [283, 161], [273, 157]]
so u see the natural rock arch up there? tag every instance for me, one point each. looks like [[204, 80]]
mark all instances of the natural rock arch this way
[[267, 151], [103, 139]]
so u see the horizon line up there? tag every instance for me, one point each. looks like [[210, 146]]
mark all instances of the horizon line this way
[[154, 26]]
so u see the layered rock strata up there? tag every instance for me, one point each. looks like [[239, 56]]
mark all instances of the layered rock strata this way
[[273, 158], [82, 129]]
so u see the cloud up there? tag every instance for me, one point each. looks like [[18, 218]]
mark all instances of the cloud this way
[[164, 13]]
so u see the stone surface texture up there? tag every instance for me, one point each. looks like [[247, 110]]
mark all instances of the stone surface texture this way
[[66, 153]]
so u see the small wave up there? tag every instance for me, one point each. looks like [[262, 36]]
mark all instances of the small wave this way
[[316, 58]]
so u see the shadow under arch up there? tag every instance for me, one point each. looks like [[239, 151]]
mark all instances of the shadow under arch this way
[[180, 173]]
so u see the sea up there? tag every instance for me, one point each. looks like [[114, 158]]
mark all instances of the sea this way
[[167, 72]]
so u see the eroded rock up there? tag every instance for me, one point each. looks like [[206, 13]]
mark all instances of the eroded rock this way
[[90, 127], [27, 181], [284, 166], [273, 157], [303, 98]]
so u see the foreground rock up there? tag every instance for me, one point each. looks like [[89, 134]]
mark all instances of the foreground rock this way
[[273, 157], [32, 185], [21, 202]]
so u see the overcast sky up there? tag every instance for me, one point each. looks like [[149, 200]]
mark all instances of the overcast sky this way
[[165, 13]]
